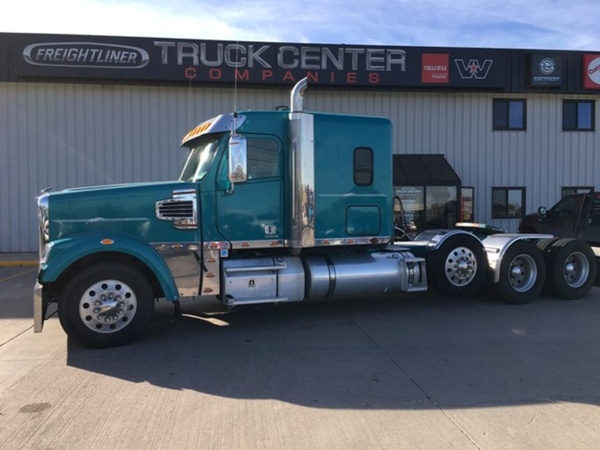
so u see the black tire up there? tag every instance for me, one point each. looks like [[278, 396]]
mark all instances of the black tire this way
[[106, 305], [458, 267], [522, 273], [571, 266]]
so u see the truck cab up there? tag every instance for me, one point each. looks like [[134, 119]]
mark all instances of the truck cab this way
[[575, 216]]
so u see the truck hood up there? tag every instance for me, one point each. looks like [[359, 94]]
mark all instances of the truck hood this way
[[531, 217], [124, 208], [529, 222]]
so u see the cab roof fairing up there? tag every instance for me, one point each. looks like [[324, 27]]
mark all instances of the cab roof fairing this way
[[219, 124]]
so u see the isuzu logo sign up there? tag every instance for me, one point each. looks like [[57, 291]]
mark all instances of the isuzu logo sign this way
[[86, 54]]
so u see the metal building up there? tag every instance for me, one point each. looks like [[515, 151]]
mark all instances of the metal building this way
[[518, 127]]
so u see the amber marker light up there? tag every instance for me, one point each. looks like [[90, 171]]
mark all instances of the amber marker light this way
[[107, 242]]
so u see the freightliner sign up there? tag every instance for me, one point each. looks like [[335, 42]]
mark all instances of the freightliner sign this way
[[69, 57]]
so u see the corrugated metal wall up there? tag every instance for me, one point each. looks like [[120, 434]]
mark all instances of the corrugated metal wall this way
[[67, 135]]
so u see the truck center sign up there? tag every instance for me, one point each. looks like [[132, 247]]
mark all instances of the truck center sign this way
[[172, 60], [75, 58]]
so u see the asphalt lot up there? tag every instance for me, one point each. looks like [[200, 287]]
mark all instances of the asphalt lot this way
[[414, 371]]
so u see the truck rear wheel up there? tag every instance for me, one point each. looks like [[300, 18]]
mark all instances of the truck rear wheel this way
[[572, 268], [522, 273], [459, 266], [106, 305]]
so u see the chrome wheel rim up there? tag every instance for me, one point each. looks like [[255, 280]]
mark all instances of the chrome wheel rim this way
[[461, 266], [522, 273], [576, 269], [107, 306]]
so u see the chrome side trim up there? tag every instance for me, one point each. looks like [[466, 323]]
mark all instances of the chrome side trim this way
[[265, 243], [335, 241], [211, 274], [353, 241], [184, 265]]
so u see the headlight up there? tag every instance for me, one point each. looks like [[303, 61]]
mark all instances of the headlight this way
[[43, 222]]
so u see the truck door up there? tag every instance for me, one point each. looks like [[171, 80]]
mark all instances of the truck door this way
[[590, 222], [253, 212]]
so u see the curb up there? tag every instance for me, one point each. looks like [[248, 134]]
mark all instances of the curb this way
[[19, 263]]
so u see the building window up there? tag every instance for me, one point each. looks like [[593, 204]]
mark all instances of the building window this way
[[578, 115], [508, 202], [570, 190], [467, 204], [509, 114], [363, 166]]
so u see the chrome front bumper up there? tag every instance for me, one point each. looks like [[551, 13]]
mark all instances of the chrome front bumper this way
[[39, 311]]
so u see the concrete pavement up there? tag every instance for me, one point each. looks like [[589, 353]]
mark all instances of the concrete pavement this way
[[413, 371]]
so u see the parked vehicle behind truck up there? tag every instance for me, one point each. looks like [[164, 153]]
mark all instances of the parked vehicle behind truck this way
[[270, 207], [575, 219]]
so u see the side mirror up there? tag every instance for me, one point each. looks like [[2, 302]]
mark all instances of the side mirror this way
[[542, 211], [238, 159]]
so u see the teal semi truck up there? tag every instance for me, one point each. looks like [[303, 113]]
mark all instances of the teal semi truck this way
[[270, 207]]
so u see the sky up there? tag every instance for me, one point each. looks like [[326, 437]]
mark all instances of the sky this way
[[515, 24]]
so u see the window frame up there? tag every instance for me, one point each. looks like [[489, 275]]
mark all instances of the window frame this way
[[507, 119], [576, 119], [506, 212], [251, 145]]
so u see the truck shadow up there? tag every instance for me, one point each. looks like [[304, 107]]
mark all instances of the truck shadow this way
[[404, 352]]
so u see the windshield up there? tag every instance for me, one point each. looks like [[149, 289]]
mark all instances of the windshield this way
[[200, 157]]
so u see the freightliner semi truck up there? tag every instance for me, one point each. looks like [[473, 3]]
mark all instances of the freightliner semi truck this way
[[270, 207]]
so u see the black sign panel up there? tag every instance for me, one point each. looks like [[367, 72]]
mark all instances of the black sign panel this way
[[174, 60], [546, 70], [480, 68]]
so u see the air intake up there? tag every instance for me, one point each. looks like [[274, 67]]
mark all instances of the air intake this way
[[181, 209]]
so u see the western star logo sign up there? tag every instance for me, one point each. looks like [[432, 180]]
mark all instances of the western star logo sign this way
[[591, 71], [86, 54], [435, 68], [473, 68]]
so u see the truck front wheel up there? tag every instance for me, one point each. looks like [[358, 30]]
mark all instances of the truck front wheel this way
[[572, 265], [459, 266], [522, 273], [106, 305]]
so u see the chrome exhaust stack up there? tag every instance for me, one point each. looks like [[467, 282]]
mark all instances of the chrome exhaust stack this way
[[297, 95], [302, 172]]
